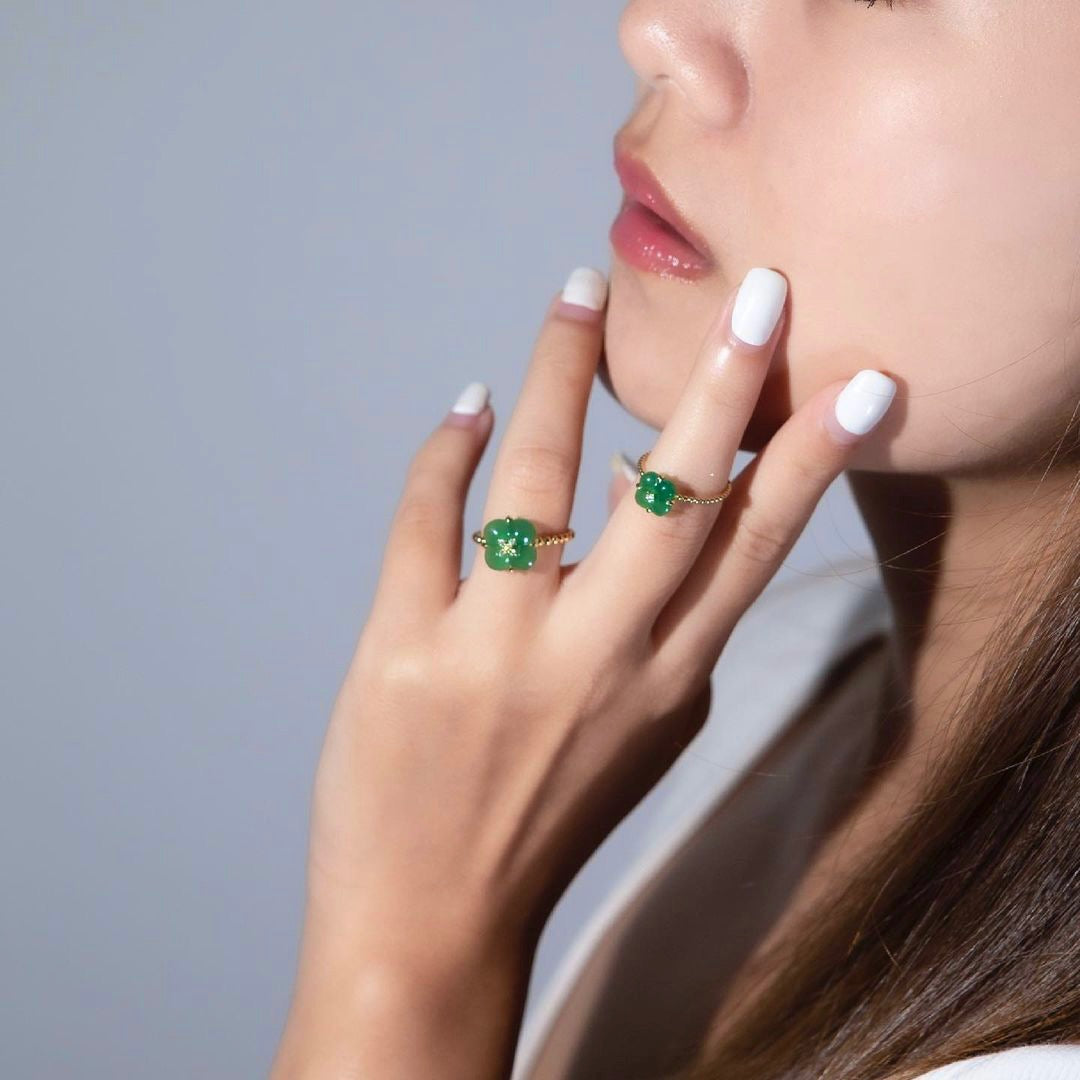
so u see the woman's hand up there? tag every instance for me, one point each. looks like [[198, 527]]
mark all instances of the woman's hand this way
[[491, 732]]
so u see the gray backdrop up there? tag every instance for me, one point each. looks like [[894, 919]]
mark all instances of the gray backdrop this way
[[251, 253]]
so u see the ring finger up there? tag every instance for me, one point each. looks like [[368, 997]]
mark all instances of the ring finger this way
[[536, 467]]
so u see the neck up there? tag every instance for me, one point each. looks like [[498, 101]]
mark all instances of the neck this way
[[953, 552]]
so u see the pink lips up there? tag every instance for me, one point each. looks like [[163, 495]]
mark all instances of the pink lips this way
[[649, 232]]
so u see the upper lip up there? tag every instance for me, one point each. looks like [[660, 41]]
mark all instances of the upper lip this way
[[641, 184]]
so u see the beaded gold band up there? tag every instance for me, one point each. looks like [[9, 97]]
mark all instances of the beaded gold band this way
[[656, 493], [510, 543]]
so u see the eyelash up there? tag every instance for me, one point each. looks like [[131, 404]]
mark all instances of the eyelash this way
[[871, 3]]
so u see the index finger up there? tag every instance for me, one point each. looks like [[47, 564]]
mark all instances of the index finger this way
[[695, 451]]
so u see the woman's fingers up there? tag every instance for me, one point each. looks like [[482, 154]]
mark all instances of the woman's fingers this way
[[536, 469], [771, 502], [624, 478], [423, 552], [649, 553]]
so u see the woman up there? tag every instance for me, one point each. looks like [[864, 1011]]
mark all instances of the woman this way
[[903, 181]]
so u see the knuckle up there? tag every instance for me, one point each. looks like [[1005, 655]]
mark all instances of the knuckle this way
[[428, 461], [388, 668], [405, 667], [667, 698], [761, 539], [680, 536], [538, 469], [731, 401], [681, 686], [665, 689], [443, 455], [420, 509], [557, 361], [561, 352], [733, 381], [810, 472]]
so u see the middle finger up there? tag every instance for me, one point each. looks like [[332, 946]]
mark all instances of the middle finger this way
[[648, 553], [536, 467]]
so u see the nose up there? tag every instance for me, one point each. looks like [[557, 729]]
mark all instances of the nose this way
[[687, 47]]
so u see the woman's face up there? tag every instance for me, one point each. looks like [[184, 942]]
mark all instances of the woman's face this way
[[913, 171]]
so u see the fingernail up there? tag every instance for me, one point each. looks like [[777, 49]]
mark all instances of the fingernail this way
[[584, 294], [472, 399], [864, 401], [470, 403], [621, 463], [758, 305]]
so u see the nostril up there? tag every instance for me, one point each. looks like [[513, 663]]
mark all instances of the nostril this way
[[696, 49], [664, 82]]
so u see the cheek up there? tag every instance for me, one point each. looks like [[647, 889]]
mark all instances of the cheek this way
[[936, 238], [928, 220]]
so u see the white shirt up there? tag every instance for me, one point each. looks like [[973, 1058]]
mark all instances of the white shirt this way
[[718, 844]]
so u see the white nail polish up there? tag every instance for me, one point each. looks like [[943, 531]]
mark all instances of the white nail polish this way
[[620, 463], [472, 399], [758, 305], [864, 401], [586, 287]]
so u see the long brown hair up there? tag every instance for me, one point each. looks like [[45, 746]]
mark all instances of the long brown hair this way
[[962, 935]]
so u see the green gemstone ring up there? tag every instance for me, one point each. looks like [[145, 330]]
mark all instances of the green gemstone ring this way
[[657, 494], [510, 543]]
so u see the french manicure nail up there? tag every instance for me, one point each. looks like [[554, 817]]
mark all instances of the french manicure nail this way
[[472, 399], [758, 305], [864, 401], [586, 287], [621, 463]]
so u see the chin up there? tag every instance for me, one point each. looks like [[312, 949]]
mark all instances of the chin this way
[[652, 337], [645, 376]]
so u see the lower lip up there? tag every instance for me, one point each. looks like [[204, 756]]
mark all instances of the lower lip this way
[[647, 241]]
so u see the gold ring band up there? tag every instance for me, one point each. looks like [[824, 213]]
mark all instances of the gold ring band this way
[[542, 539], [677, 496]]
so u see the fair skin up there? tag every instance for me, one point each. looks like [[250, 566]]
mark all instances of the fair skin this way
[[914, 172]]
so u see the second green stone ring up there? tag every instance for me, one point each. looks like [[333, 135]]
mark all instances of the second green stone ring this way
[[510, 543], [656, 494]]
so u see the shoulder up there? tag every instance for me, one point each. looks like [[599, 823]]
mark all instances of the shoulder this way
[[1047, 1062]]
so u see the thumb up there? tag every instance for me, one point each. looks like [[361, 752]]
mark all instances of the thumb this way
[[624, 477]]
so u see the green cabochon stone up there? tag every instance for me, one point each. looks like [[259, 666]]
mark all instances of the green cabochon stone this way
[[510, 544]]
